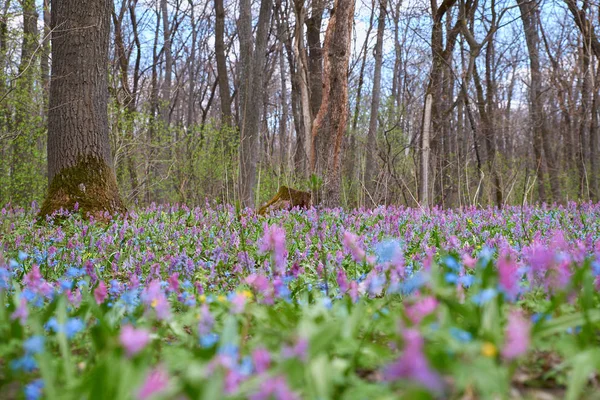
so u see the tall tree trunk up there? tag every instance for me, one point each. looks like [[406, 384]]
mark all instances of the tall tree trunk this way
[[224, 95], [330, 123], [315, 55], [253, 63], [424, 187], [45, 56], [303, 77], [529, 18], [283, 122], [166, 87], [123, 61], [23, 146], [79, 158], [370, 165], [351, 155]]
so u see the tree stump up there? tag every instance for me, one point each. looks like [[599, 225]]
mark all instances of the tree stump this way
[[286, 199]]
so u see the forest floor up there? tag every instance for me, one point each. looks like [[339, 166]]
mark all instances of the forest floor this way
[[389, 303]]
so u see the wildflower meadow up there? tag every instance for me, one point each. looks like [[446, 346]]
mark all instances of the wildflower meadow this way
[[215, 302]]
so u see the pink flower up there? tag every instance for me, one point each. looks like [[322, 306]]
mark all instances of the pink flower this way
[[238, 302], [33, 278], [174, 282], [413, 364], [100, 293], [517, 336], [21, 312], [420, 309], [469, 261], [350, 242], [133, 340], [342, 280], [508, 277], [258, 282], [156, 381], [154, 297], [261, 359]]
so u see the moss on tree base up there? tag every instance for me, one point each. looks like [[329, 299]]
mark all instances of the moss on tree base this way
[[91, 184]]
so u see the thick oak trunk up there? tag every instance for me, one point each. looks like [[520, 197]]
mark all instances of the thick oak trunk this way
[[79, 159]]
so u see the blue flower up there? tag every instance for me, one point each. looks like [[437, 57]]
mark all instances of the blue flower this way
[[484, 296], [26, 363], [33, 391], [451, 263], [466, 280], [209, 340], [22, 255], [228, 350], [34, 344], [73, 326], [13, 264], [413, 283], [485, 256], [66, 284], [596, 268], [461, 335], [388, 250], [539, 316], [327, 303], [245, 368], [451, 278], [53, 324], [73, 272]]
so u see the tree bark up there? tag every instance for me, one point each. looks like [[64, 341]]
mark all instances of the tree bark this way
[[79, 159], [541, 146], [424, 187], [315, 55], [330, 123], [224, 95], [303, 78], [370, 167], [251, 90], [23, 146], [166, 87]]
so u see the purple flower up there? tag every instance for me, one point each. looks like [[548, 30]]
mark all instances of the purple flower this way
[[206, 321], [274, 240], [133, 340], [299, 350], [100, 293], [156, 382], [21, 312], [261, 359], [274, 388], [517, 336], [413, 364]]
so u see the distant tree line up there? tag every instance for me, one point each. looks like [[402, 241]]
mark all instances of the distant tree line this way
[[447, 102]]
